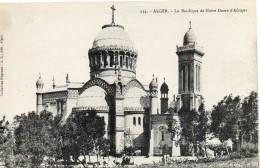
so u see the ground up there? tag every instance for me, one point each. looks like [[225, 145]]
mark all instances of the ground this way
[[236, 163], [148, 162]]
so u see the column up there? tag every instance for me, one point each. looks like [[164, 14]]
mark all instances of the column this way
[[151, 143], [39, 102], [127, 61], [176, 151], [108, 59], [153, 104], [119, 125], [186, 78], [101, 60], [59, 103], [183, 78], [57, 108], [133, 64], [196, 77], [64, 108], [199, 77], [124, 60]]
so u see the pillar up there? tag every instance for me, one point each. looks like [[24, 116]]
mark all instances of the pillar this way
[[57, 108], [119, 125], [151, 143], [176, 151], [38, 102], [108, 59], [153, 103]]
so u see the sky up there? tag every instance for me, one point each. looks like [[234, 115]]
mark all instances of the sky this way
[[54, 38]]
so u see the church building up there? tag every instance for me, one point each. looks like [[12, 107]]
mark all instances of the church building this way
[[129, 108]]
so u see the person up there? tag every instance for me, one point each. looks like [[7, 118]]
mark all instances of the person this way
[[123, 161], [128, 160], [163, 160]]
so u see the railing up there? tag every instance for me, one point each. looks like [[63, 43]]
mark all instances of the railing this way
[[133, 109], [189, 47], [104, 108]]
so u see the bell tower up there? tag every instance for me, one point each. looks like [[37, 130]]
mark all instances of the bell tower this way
[[190, 65], [164, 97], [39, 87]]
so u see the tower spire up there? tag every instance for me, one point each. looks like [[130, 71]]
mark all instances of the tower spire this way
[[113, 10], [53, 82], [190, 24], [67, 79]]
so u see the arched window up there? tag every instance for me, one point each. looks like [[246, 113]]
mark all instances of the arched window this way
[[196, 77], [134, 120], [189, 77], [126, 61], [162, 136], [139, 120], [199, 78], [162, 129], [98, 60], [105, 60], [121, 61], [111, 60], [94, 60], [183, 78]]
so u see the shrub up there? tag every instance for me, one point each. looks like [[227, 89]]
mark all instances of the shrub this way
[[235, 155], [249, 147]]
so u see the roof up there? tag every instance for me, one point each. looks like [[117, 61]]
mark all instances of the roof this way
[[189, 37], [164, 88], [113, 36]]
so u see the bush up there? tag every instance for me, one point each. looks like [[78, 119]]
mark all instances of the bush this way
[[249, 147], [235, 155]]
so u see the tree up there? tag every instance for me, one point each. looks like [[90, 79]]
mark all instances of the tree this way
[[249, 117], [225, 116], [102, 147], [194, 126], [188, 127], [36, 137], [7, 148], [202, 127], [3, 126], [84, 134]]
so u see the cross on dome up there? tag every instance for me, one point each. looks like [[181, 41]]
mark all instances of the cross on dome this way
[[190, 24], [113, 10]]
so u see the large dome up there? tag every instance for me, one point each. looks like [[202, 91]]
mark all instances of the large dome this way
[[113, 36], [189, 37]]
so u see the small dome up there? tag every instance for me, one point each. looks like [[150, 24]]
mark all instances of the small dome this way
[[153, 84], [164, 88], [39, 81], [113, 36], [189, 37]]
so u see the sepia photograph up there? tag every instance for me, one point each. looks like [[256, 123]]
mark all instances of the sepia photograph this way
[[129, 84]]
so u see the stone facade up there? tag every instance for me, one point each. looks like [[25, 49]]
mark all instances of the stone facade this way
[[190, 65], [129, 109]]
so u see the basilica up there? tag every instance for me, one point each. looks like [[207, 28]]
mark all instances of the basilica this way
[[128, 107]]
